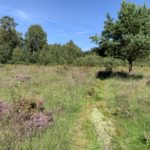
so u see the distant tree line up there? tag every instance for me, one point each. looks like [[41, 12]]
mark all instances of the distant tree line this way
[[33, 48], [124, 40]]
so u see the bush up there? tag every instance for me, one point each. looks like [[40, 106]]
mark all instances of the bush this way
[[59, 54], [5, 55], [88, 60], [20, 56], [95, 60]]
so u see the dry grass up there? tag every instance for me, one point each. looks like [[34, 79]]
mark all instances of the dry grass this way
[[63, 90], [123, 100]]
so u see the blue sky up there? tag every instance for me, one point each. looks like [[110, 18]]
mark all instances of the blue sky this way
[[63, 20]]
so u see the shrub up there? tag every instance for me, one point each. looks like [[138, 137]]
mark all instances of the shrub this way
[[88, 60], [25, 117]]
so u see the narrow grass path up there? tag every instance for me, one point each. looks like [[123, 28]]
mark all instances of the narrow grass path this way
[[97, 135], [104, 128], [79, 139], [117, 115]]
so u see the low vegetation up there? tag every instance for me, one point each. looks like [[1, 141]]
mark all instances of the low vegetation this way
[[72, 108], [60, 91]]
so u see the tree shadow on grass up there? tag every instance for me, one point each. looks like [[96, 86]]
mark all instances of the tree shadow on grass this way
[[103, 75]]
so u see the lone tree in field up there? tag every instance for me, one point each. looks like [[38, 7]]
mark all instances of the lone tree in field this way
[[127, 37]]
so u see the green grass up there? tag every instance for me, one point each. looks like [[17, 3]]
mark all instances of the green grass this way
[[123, 101], [63, 90], [127, 103]]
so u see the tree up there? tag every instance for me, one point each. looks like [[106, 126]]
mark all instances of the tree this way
[[71, 51], [7, 23], [17, 55], [4, 53], [127, 37], [98, 51], [35, 39], [9, 38], [44, 56], [59, 54]]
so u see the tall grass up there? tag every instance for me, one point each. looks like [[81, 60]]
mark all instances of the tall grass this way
[[61, 88], [71, 94], [127, 103]]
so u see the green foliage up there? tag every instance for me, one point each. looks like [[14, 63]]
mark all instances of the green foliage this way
[[98, 51], [44, 57], [128, 37], [109, 63], [34, 49], [17, 55], [20, 56], [7, 23], [5, 53], [89, 60], [52, 54], [9, 38], [95, 60], [59, 54], [71, 51], [35, 39]]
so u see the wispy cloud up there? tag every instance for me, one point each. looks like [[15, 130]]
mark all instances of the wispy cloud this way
[[33, 18], [60, 22], [21, 14], [82, 32], [17, 13]]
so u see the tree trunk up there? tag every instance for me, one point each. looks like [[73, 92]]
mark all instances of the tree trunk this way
[[130, 66]]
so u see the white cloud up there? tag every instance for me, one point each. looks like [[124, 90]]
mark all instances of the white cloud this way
[[24, 16], [59, 22], [82, 32], [21, 14], [17, 13]]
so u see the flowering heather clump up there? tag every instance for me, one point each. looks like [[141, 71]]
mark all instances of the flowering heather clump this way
[[30, 105], [39, 120], [32, 114], [4, 109], [27, 115]]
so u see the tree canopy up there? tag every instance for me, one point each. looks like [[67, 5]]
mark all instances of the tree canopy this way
[[35, 38], [7, 23], [9, 38], [127, 37]]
